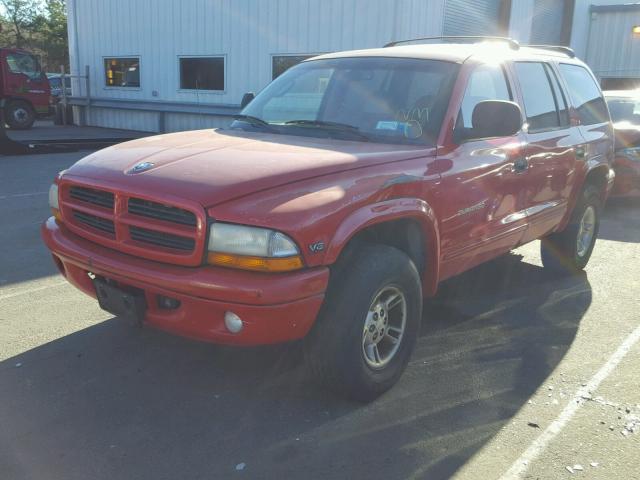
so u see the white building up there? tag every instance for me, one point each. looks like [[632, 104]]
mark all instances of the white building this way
[[167, 65]]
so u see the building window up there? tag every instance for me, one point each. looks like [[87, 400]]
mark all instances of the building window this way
[[122, 72], [282, 63], [202, 73]]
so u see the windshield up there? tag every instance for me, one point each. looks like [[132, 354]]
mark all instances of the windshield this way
[[625, 110], [25, 64], [379, 99]]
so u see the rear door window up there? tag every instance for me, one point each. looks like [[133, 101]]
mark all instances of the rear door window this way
[[585, 94], [538, 96]]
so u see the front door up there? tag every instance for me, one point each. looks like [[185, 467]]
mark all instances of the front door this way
[[481, 194]]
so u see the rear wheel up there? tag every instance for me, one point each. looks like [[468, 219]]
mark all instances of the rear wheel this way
[[19, 115], [369, 324], [570, 250]]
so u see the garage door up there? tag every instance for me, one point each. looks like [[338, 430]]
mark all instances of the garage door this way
[[546, 25], [477, 17]]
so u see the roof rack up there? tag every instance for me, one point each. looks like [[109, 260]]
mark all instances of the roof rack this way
[[556, 48], [463, 39]]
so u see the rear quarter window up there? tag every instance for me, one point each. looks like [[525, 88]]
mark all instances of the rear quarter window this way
[[585, 94]]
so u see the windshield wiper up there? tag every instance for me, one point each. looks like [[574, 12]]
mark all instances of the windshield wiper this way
[[335, 126], [256, 122]]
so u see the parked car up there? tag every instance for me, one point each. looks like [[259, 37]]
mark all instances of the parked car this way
[[24, 88], [340, 198], [624, 106], [55, 82]]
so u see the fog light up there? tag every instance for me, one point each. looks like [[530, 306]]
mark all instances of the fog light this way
[[232, 322], [167, 303]]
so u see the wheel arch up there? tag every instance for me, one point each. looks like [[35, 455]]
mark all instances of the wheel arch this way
[[408, 224]]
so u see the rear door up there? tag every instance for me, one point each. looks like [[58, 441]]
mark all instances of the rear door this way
[[593, 115], [551, 142]]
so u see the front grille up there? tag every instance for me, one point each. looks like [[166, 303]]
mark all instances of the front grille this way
[[95, 222], [136, 226], [161, 239], [95, 197], [158, 211]]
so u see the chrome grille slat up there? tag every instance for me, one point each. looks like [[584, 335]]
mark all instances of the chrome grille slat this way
[[161, 239], [158, 211]]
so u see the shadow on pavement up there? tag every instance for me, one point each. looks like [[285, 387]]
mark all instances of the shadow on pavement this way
[[113, 401]]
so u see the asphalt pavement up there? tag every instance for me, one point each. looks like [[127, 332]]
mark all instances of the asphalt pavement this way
[[517, 374]]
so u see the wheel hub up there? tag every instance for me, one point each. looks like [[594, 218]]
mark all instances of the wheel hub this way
[[586, 231], [384, 327]]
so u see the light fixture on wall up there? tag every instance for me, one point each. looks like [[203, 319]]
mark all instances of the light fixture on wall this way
[[635, 30]]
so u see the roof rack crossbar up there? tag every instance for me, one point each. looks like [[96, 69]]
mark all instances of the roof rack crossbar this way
[[556, 48], [466, 38]]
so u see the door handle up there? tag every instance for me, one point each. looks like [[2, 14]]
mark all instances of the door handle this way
[[520, 164]]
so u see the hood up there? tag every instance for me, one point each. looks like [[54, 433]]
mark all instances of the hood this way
[[214, 166], [627, 135]]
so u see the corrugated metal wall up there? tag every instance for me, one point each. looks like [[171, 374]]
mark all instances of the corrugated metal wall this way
[[546, 25], [480, 17], [613, 52], [247, 32]]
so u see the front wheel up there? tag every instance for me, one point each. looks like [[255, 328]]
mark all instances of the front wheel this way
[[369, 323], [570, 250], [20, 115]]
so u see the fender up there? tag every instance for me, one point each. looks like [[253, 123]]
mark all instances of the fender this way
[[593, 164], [388, 210]]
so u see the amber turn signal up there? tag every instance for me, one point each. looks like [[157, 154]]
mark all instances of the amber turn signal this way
[[56, 214], [260, 264]]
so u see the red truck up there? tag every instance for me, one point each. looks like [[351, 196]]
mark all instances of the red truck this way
[[340, 198], [24, 88]]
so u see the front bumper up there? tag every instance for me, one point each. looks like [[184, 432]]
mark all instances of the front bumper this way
[[274, 307], [627, 179]]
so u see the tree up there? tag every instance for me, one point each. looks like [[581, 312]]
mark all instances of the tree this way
[[39, 26], [20, 15]]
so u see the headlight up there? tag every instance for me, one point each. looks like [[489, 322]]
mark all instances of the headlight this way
[[252, 248], [632, 153], [53, 201]]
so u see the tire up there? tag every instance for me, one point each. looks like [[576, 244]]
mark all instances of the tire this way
[[567, 251], [339, 351], [19, 115]]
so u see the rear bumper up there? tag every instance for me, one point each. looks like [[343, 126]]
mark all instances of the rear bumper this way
[[274, 307]]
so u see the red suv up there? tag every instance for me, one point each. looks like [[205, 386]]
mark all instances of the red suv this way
[[340, 198]]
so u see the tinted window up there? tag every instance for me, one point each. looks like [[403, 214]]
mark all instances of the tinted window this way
[[202, 73], [539, 102], [282, 63], [485, 83], [561, 101], [122, 72], [584, 94]]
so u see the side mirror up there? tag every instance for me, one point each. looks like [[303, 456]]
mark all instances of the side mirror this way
[[246, 99], [496, 118]]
